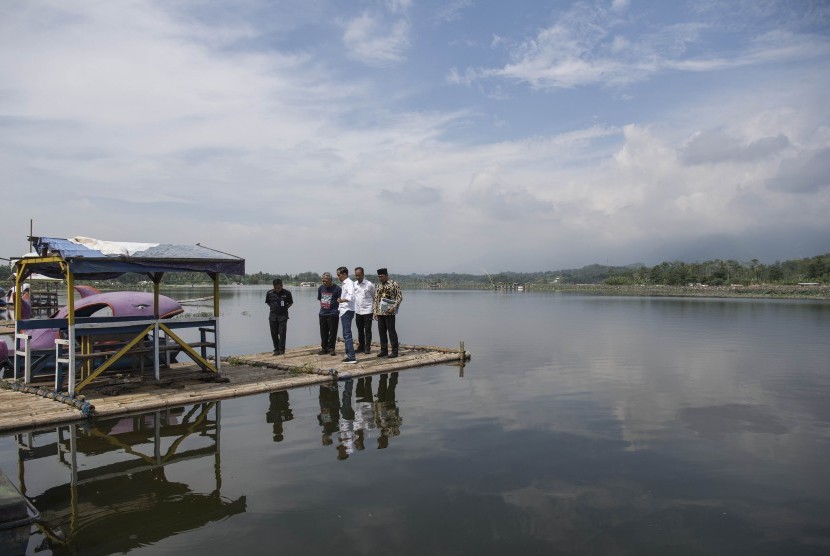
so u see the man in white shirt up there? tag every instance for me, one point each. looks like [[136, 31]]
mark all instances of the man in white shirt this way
[[364, 296], [346, 310]]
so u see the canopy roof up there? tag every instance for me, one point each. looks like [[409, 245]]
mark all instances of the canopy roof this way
[[96, 259]]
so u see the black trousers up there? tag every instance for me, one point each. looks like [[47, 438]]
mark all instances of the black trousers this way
[[386, 325], [328, 331], [364, 331], [278, 329]]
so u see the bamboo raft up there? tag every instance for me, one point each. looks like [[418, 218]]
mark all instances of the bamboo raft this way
[[136, 392]]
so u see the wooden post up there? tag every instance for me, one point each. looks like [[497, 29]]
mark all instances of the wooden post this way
[[157, 276], [70, 333], [216, 349], [18, 309], [463, 359]]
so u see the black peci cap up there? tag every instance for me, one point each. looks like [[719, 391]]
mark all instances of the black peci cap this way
[[382, 271]]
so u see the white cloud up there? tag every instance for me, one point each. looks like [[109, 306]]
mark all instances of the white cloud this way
[[398, 6], [807, 173], [704, 148], [466, 77], [451, 11], [376, 41], [411, 194], [594, 46], [123, 121], [619, 5], [502, 201]]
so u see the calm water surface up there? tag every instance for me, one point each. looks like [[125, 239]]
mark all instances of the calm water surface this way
[[582, 425]]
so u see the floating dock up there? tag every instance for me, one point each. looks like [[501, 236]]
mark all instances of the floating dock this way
[[125, 393]]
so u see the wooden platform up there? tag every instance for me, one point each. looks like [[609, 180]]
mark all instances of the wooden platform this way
[[125, 393]]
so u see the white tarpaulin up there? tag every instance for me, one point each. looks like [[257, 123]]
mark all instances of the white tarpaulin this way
[[112, 247]]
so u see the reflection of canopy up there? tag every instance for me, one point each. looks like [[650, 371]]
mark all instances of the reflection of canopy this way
[[86, 261], [124, 499], [112, 509]]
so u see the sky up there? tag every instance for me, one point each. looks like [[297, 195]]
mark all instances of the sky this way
[[423, 136]]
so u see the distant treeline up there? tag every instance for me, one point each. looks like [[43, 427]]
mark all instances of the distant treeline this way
[[676, 273]]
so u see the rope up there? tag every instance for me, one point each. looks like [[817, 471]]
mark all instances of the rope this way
[[79, 403]]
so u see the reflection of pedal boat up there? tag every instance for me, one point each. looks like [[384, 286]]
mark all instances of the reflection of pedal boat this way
[[108, 304]]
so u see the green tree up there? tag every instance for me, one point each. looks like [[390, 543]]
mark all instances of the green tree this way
[[817, 268]]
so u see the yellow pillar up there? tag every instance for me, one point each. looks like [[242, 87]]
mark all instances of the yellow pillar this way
[[19, 277], [157, 276], [70, 293], [70, 319]]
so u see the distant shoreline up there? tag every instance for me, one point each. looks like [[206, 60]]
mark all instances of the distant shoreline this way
[[762, 291]]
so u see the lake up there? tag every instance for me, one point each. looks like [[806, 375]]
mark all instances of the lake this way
[[582, 425]]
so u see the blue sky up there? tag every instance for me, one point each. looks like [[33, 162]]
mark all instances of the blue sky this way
[[424, 136]]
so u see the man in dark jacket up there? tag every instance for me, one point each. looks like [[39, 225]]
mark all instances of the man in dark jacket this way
[[279, 300], [327, 295]]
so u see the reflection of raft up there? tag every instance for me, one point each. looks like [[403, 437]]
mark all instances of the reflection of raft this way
[[122, 485], [164, 508]]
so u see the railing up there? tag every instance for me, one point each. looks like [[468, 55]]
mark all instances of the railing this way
[[25, 353], [43, 304]]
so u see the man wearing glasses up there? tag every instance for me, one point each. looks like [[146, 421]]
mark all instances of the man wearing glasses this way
[[346, 309]]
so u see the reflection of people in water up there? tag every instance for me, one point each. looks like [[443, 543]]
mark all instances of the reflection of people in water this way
[[329, 411], [352, 421], [278, 412], [363, 392], [346, 423], [364, 418], [387, 415]]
